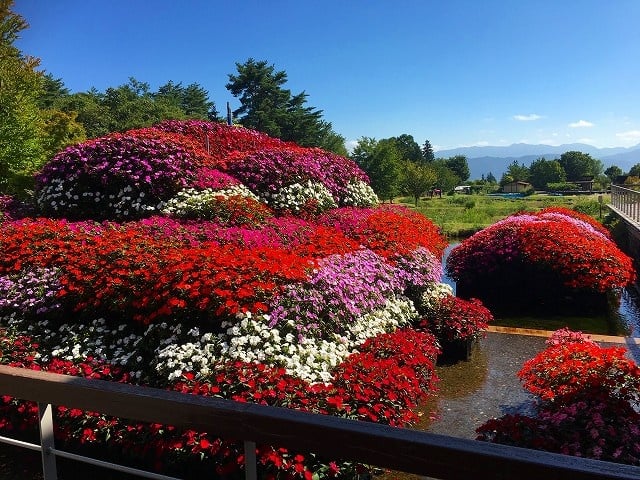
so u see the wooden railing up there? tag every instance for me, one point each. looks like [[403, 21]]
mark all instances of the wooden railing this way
[[398, 449], [626, 200]]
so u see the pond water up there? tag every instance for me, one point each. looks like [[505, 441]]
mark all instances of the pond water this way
[[626, 315]]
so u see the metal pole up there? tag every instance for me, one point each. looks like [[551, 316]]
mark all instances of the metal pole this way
[[250, 462], [49, 470], [229, 115]]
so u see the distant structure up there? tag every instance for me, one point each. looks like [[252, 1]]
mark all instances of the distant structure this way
[[229, 115]]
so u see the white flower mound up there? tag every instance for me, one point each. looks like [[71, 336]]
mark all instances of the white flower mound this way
[[194, 203], [294, 197], [251, 340], [360, 194]]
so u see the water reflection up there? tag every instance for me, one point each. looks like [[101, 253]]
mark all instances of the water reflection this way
[[626, 314]]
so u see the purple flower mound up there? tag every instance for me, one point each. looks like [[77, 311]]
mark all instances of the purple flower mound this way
[[266, 172], [341, 289], [33, 292], [418, 268], [119, 176]]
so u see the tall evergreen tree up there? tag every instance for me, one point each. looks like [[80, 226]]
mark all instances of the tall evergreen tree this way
[[427, 152], [266, 105]]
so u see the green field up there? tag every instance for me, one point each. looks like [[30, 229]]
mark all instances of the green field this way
[[462, 215]]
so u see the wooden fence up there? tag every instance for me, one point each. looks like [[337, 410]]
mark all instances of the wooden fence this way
[[626, 201], [436, 456]]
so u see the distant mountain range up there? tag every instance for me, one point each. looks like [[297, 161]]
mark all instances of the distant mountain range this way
[[483, 160]]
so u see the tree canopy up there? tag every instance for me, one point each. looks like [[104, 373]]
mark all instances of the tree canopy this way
[[578, 165], [267, 106], [21, 126], [543, 172]]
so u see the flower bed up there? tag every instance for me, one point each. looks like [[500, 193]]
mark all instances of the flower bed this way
[[586, 397], [551, 261], [217, 261]]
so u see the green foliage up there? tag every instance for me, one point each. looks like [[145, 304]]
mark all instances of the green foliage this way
[[382, 163], [61, 129], [612, 172], [515, 173], [635, 170], [459, 166], [562, 187], [447, 179], [132, 105], [427, 152], [268, 107], [21, 126], [417, 179], [407, 148], [543, 172], [578, 165]]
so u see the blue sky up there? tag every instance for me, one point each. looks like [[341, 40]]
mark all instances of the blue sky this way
[[455, 72]]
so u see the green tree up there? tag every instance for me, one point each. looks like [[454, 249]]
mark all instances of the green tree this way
[[92, 113], [515, 173], [417, 179], [363, 151], [53, 90], [407, 147], [427, 152], [491, 178], [613, 172], [542, 172], [459, 166], [192, 100], [578, 165], [446, 178], [267, 106], [21, 126], [61, 129], [381, 161], [132, 105], [635, 170]]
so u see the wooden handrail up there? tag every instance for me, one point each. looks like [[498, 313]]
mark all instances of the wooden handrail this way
[[438, 456], [626, 201]]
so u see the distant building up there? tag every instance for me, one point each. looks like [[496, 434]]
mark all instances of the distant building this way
[[585, 183], [516, 187], [462, 189]]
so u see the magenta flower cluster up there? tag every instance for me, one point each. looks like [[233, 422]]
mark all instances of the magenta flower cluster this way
[[118, 176], [266, 172]]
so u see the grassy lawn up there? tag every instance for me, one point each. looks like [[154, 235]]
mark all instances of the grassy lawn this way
[[461, 215]]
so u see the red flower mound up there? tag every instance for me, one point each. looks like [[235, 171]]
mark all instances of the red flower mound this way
[[572, 368], [389, 231], [586, 402], [540, 260], [454, 318], [122, 270], [220, 140]]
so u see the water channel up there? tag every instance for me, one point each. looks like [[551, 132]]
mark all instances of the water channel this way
[[472, 392]]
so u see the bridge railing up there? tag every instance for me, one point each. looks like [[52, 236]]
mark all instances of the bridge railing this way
[[626, 200], [404, 450]]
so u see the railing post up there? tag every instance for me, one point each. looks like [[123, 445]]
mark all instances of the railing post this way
[[250, 462], [47, 444]]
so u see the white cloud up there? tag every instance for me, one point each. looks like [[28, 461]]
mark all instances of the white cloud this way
[[630, 136], [350, 145], [580, 124], [527, 118], [482, 143], [588, 141]]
